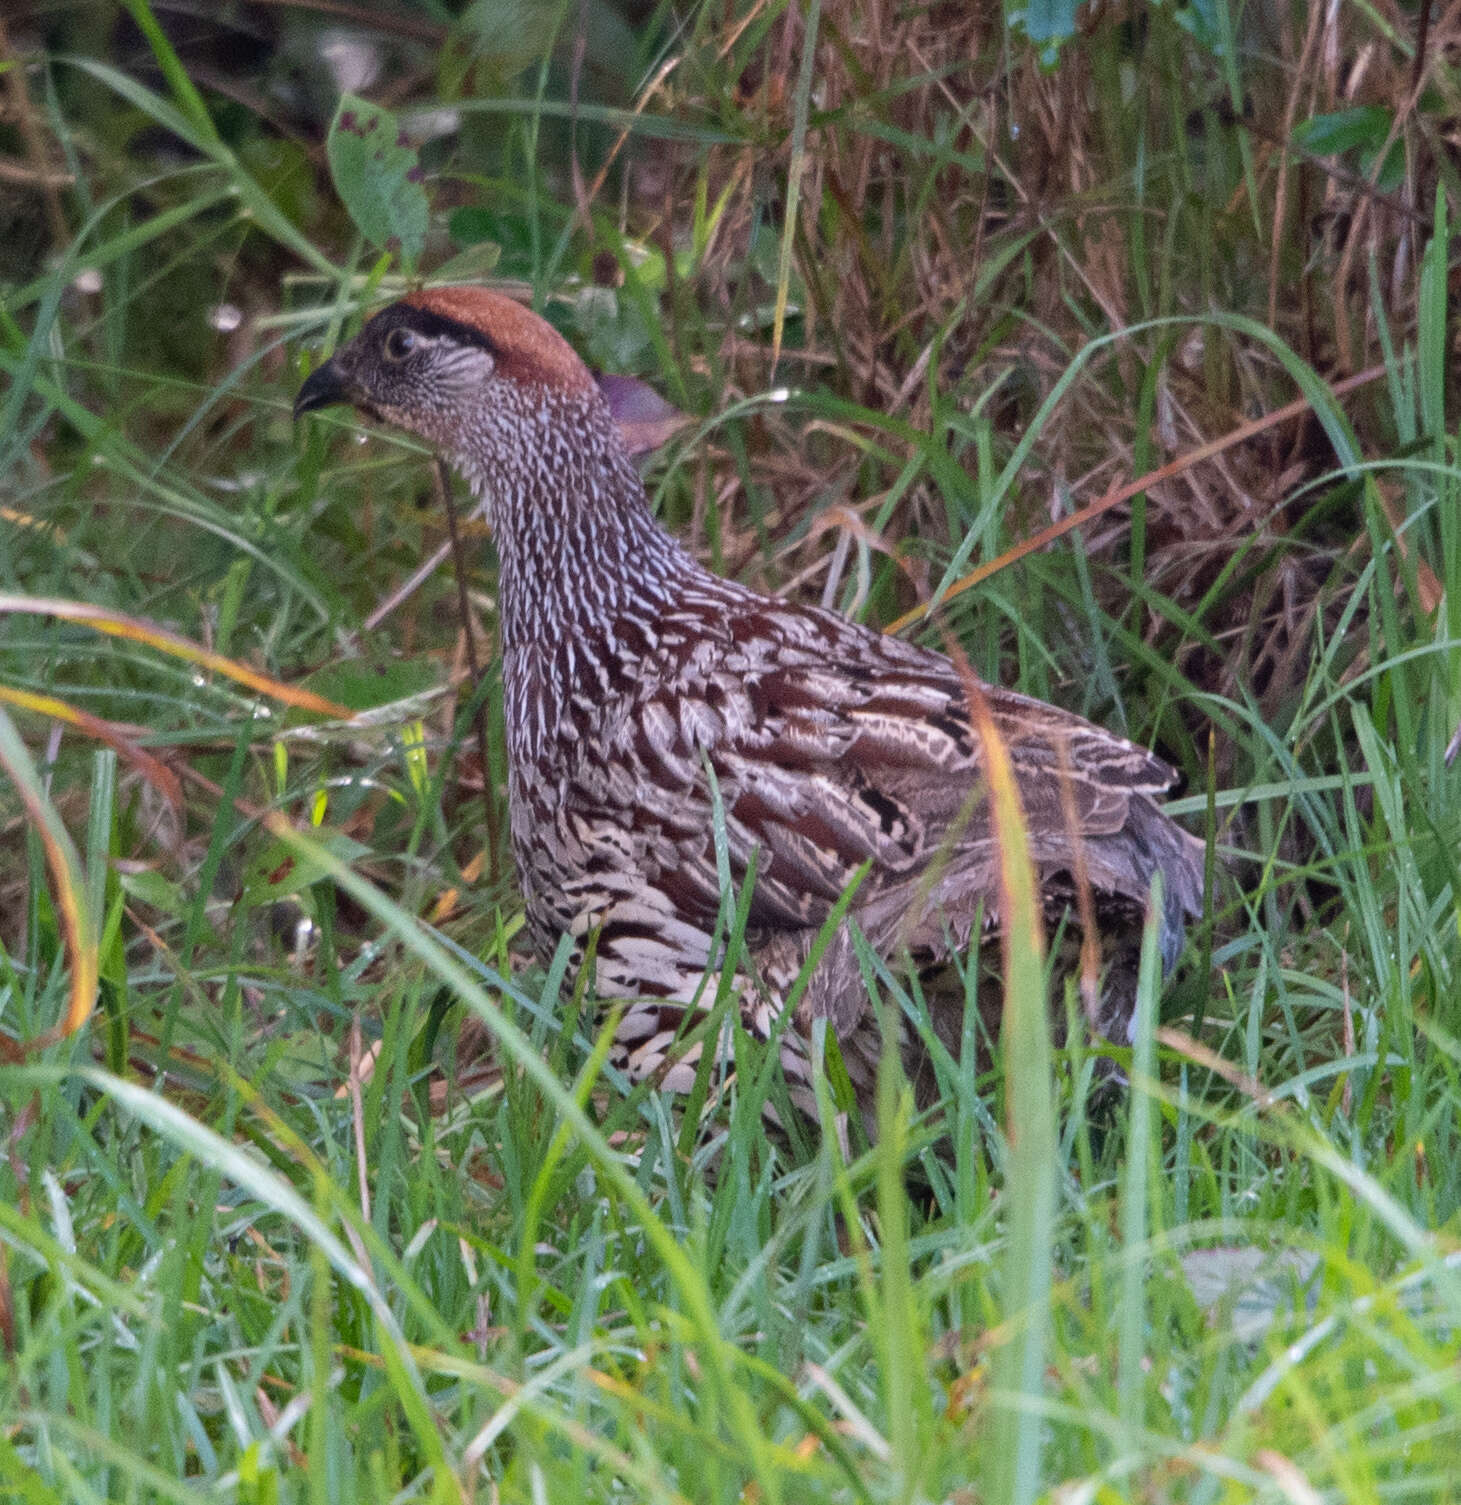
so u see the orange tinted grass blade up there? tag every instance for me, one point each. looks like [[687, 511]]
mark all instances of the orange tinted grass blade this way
[[1029, 1192], [19, 519], [73, 913], [1020, 909], [1114, 497], [139, 630], [1090, 961], [156, 772], [1020, 906]]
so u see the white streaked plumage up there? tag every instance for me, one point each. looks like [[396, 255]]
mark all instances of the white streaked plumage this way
[[627, 666]]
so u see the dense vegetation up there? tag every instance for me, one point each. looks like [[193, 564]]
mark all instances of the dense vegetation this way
[[333, 1196]]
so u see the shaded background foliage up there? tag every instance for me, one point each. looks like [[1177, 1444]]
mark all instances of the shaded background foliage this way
[[928, 278]]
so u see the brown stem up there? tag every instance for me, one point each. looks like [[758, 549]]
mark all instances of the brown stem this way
[[1422, 31], [479, 721]]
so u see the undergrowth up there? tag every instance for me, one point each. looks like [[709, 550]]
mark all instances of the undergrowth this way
[[334, 1195]]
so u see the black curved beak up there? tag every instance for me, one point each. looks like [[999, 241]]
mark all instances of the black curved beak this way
[[322, 389]]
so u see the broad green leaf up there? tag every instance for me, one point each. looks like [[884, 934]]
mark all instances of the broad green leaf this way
[[1343, 130], [378, 176]]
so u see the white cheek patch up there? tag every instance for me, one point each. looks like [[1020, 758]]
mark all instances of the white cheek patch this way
[[464, 369]]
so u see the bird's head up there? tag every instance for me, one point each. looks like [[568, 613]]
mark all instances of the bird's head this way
[[464, 368]]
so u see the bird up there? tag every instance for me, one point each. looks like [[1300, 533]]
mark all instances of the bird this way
[[668, 728]]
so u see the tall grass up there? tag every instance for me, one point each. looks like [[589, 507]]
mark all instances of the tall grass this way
[[336, 1196]]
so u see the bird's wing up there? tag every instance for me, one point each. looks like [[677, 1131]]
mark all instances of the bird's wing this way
[[834, 747]]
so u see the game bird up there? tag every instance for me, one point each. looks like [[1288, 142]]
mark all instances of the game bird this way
[[656, 712]]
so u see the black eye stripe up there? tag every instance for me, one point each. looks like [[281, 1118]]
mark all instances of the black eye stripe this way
[[431, 326]]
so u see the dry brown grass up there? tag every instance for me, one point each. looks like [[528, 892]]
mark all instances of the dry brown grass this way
[[975, 268]]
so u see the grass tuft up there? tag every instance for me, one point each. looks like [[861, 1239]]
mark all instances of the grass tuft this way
[[1132, 354]]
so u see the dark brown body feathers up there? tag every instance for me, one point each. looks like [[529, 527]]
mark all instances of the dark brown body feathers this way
[[629, 671]]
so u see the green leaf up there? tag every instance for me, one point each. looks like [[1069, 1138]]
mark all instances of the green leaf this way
[[1364, 128], [378, 176], [1342, 130], [471, 265], [150, 887]]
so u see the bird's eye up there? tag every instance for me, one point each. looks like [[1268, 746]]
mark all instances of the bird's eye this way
[[399, 344]]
